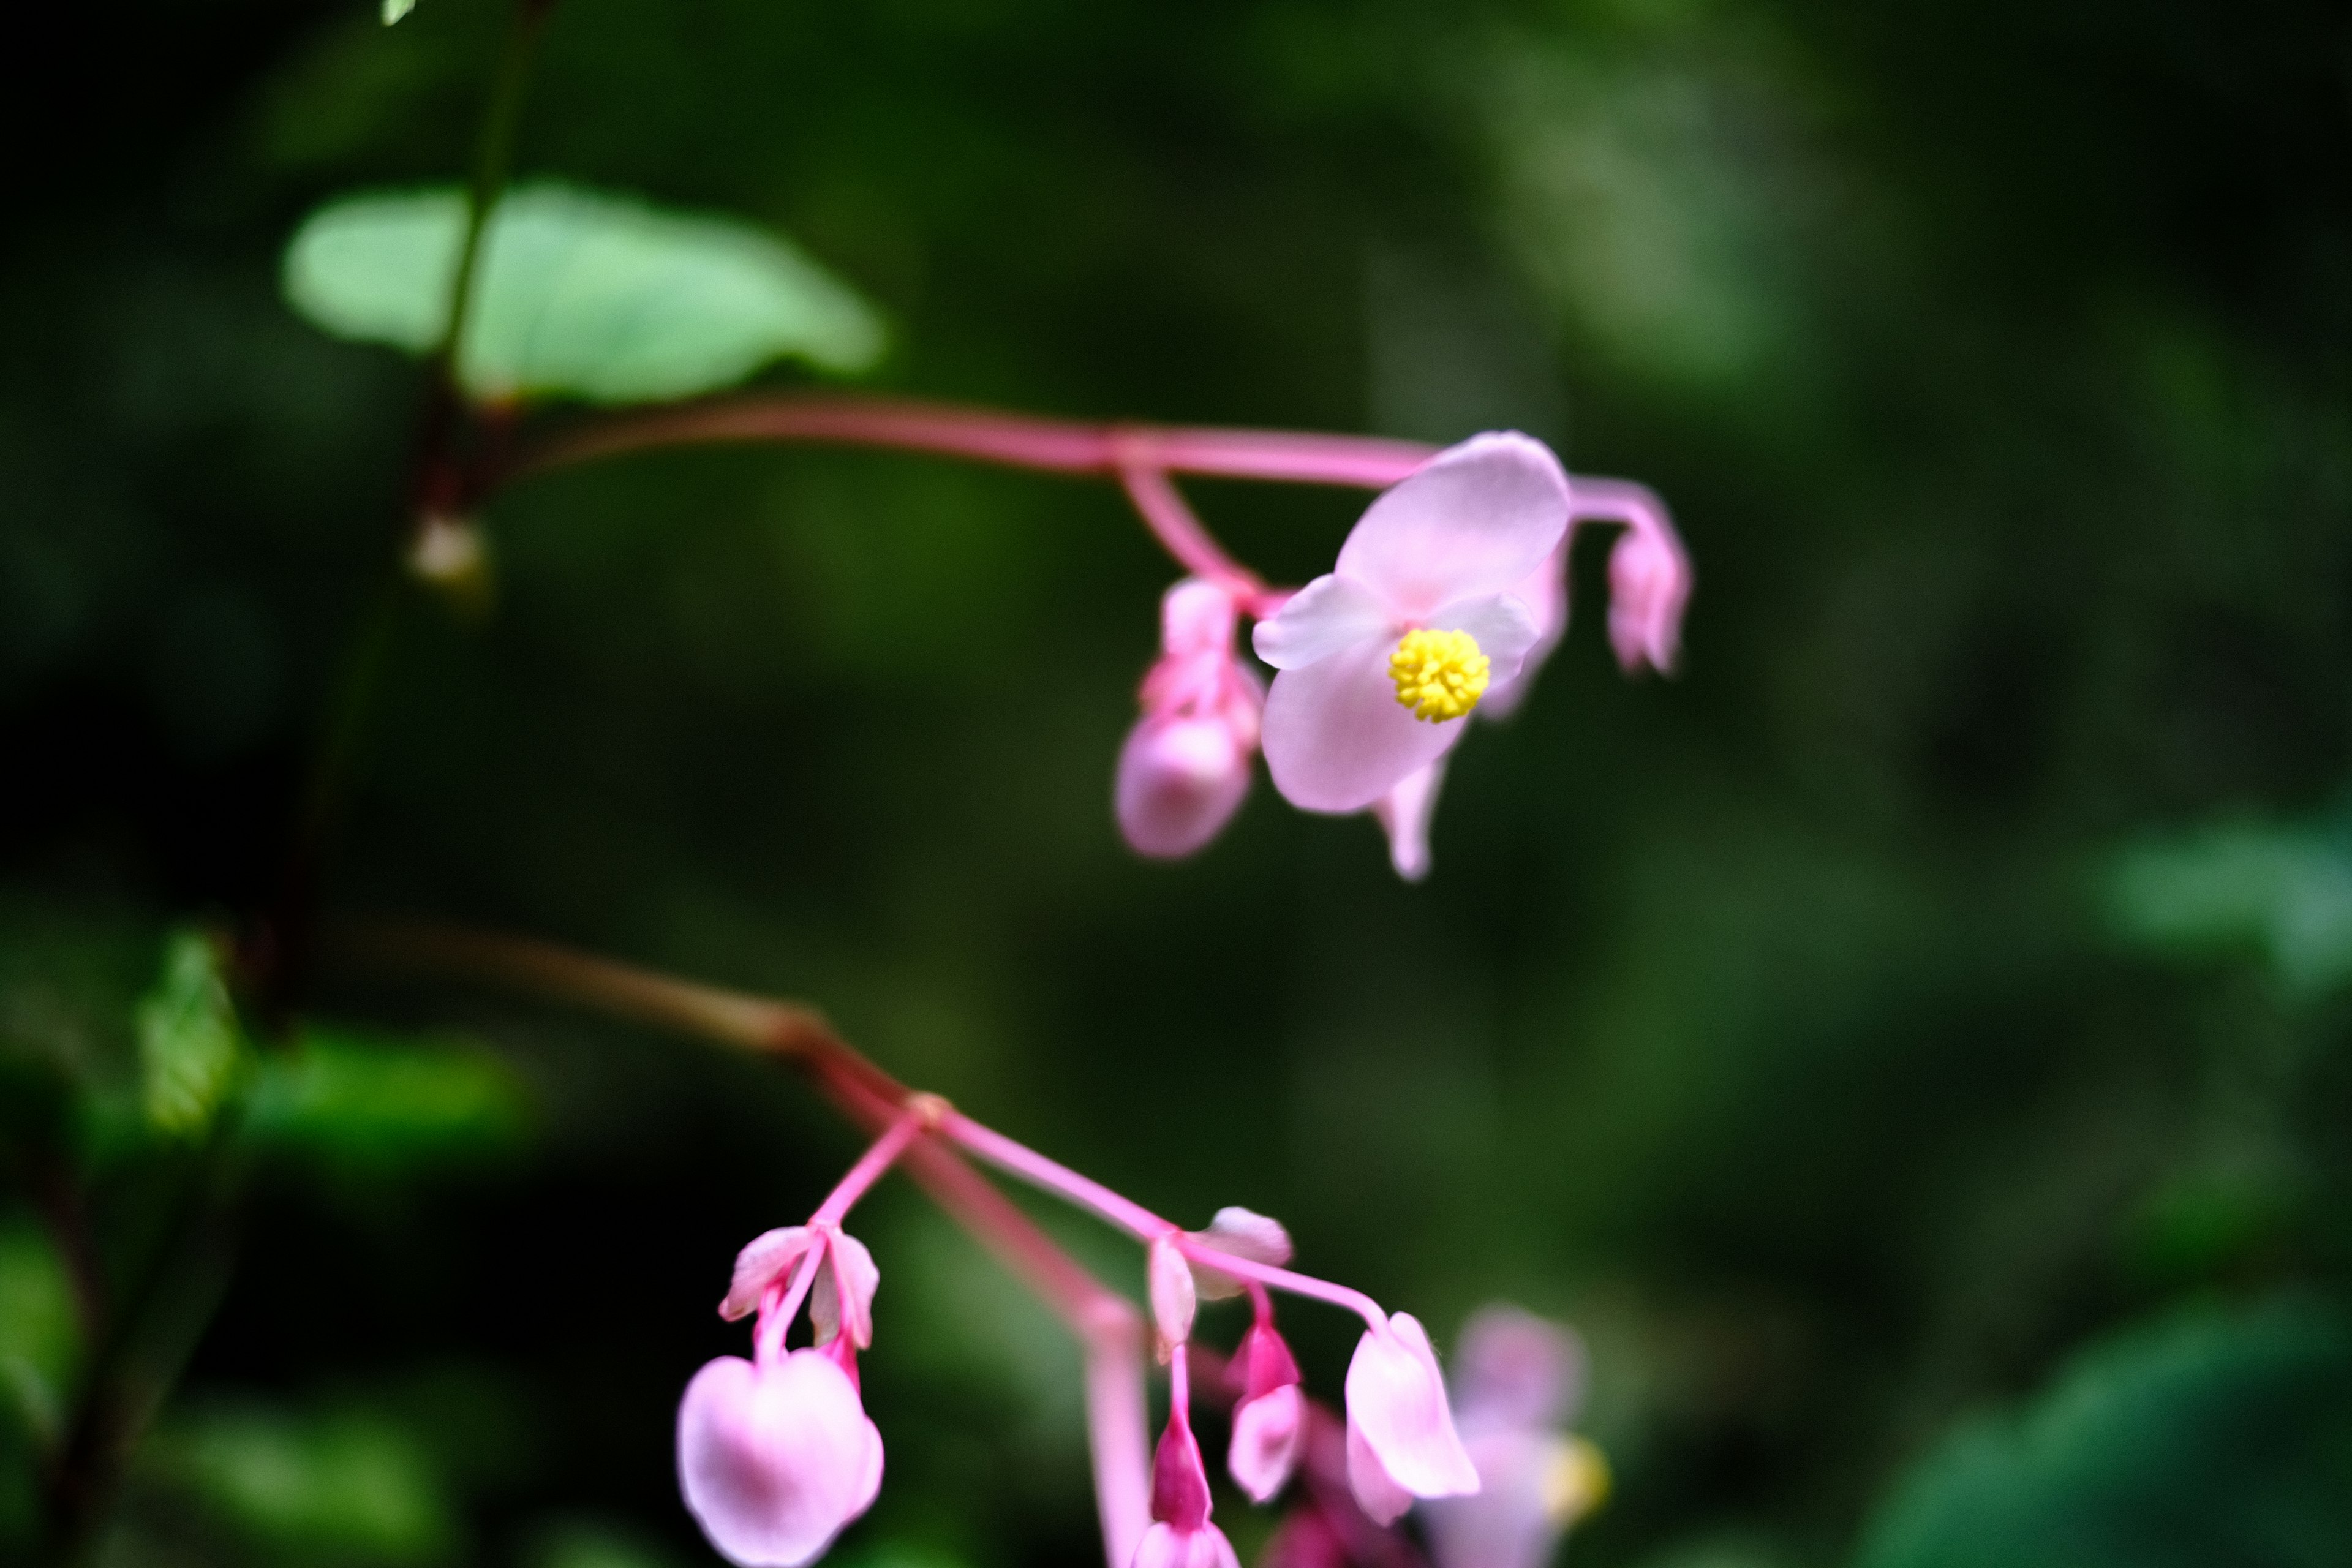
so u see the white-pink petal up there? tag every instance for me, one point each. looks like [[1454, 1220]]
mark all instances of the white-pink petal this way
[[843, 1293], [1268, 1432], [1244, 1235], [1505, 628], [1398, 1417], [1405, 815], [774, 1462], [1336, 737], [1544, 591], [766, 1258], [1473, 520], [1166, 1546], [1332, 614]]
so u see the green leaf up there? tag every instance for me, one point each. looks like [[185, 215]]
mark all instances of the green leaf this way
[[2284, 889], [393, 10], [2200, 1440], [578, 292], [189, 1049], [41, 1338], [362, 1099], [350, 1484]]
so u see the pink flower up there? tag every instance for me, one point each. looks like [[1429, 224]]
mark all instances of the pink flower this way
[[1416, 620], [1180, 1535], [774, 1459], [1270, 1417], [1402, 1443], [1516, 1380], [1186, 764]]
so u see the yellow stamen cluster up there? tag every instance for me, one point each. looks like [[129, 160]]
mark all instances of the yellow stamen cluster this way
[[1575, 1482], [1438, 675]]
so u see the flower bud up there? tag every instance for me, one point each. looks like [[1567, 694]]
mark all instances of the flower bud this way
[[775, 1460], [1649, 580]]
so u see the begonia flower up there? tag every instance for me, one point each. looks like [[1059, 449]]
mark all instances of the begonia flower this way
[[775, 1460], [1379, 660], [1186, 765], [1402, 1442], [1517, 1382], [1180, 1535], [1269, 1419]]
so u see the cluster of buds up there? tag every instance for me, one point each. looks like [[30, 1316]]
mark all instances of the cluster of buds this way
[[1445, 598], [776, 1455]]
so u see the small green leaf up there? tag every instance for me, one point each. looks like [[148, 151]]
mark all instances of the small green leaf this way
[[578, 293], [353, 1098], [393, 10], [190, 1049]]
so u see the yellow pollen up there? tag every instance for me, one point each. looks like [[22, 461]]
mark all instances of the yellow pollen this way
[[1575, 1482], [1438, 675]]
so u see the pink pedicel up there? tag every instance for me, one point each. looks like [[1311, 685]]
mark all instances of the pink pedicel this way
[[1518, 1380], [1180, 1535], [1270, 1417], [1186, 764], [1401, 1443], [1440, 551]]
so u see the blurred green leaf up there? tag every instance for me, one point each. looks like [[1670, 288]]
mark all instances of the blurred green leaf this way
[[393, 10], [581, 1543], [578, 292], [350, 1484], [2282, 889], [366, 1098], [39, 1339], [2203, 1440], [189, 1049]]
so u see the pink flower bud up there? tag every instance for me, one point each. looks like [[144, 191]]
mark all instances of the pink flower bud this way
[[1649, 581], [1180, 1535], [775, 1460], [1186, 764], [1244, 1235], [1400, 1439], [1171, 1292]]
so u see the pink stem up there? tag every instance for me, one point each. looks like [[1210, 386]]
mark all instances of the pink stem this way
[[1180, 1387], [1180, 532], [1018, 1160], [871, 1164], [1637, 506], [1306, 1285], [1052, 446], [776, 1315]]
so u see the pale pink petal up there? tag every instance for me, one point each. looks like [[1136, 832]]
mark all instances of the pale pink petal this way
[[1378, 1493], [774, 1462], [1505, 627], [1171, 1292], [1180, 780], [1512, 1368], [1544, 591], [1336, 737], [1405, 815], [1514, 1521], [1328, 615], [765, 1259], [852, 1267], [1166, 1546], [1244, 1235], [1473, 521], [1396, 1406], [1267, 1433]]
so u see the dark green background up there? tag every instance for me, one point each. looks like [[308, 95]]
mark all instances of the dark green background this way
[[1775, 1023]]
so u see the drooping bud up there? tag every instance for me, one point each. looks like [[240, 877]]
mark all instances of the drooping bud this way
[[1270, 1417], [1649, 581], [1402, 1443], [1186, 764], [1180, 1535], [1251, 1236], [775, 1460]]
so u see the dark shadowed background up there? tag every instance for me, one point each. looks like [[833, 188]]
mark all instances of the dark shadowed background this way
[[1911, 1043]]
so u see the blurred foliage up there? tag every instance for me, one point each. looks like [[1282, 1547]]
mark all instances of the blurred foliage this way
[[2216, 1439], [1812, 1029], [578, 292]]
